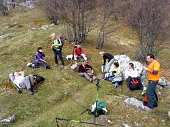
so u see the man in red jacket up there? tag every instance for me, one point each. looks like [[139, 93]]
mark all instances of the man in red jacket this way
[[79, 52]]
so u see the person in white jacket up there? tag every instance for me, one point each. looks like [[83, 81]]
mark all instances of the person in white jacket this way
[[132, 78], [23, 82]]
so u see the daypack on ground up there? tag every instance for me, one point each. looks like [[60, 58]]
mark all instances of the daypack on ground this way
[[155, 100], [38, 79], [99, 108]]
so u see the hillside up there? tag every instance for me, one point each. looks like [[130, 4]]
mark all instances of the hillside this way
[[64, 94]]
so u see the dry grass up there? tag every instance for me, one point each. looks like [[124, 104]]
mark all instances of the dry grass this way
[[64, 94]]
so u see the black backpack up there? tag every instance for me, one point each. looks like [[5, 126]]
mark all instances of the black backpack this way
[[38, 79]]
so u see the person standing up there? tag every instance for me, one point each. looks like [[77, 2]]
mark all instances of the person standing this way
[[110, 59], [153, 71], [57, 50]]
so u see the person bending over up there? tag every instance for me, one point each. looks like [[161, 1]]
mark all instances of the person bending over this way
[[108, 59]]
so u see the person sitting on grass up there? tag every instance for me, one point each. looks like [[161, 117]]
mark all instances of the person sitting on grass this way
[[79, 52], [39, 55], [23, 82], [86, 71], [132, 78], [114, 75]]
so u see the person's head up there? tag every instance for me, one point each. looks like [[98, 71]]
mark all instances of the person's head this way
[[150, 58], [131, 65], [116, 64], [39, 49], [101, 53], [78, 45], [84, 62], [53, 36]]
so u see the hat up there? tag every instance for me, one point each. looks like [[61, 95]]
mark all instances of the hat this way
[[53, 34]]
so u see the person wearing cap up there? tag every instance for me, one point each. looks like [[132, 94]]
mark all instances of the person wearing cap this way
[[39, 55], [86, 71], [108, 60], [57, 50]]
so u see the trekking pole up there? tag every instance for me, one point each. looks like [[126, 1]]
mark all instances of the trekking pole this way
[[76, 121], [97, 97]]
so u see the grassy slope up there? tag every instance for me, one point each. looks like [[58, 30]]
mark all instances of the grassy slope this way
[[41, 109]]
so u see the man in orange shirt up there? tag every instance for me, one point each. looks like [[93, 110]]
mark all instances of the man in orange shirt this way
[[153, 71]]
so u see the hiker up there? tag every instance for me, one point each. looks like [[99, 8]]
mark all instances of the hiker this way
[[110, 59], [131, 75], [114, 75], [153, 71], [78, 53], [57, 50], [39, 55], [24, 82], [86, 71]]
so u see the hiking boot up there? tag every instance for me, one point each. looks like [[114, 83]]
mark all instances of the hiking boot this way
[[56, 65], [30, 92], [91, 80], [62, 66], [94, 78], [33, 90]]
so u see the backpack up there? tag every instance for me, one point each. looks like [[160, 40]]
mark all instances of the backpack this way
[[134, 81], [62, 41], [155, 100], [38, 79], [99, 108]]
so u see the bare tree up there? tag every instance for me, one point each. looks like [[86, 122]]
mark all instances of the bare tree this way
[[105, 11], [150, 18], [76, 13]]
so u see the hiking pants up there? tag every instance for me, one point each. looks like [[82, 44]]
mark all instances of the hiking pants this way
[[85, 74], [134, 86], [82, 55], [42, 63], [27, 82], [107, 66], [150, 92], [58, 53]]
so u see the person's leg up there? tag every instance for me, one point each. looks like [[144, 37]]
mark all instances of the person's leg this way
[[27, 84], [107, 66], [150, 93], [55, 57], [129, 82], [31, 79], [85, 75], [60, 57], [84, 57], [139, 83], [42, 63]]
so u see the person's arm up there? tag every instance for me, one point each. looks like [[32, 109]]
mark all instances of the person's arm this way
[[82, 51], [104, 59], [75, 51], [151, 71]]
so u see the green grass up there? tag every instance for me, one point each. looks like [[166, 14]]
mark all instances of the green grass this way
[[64, 94]]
